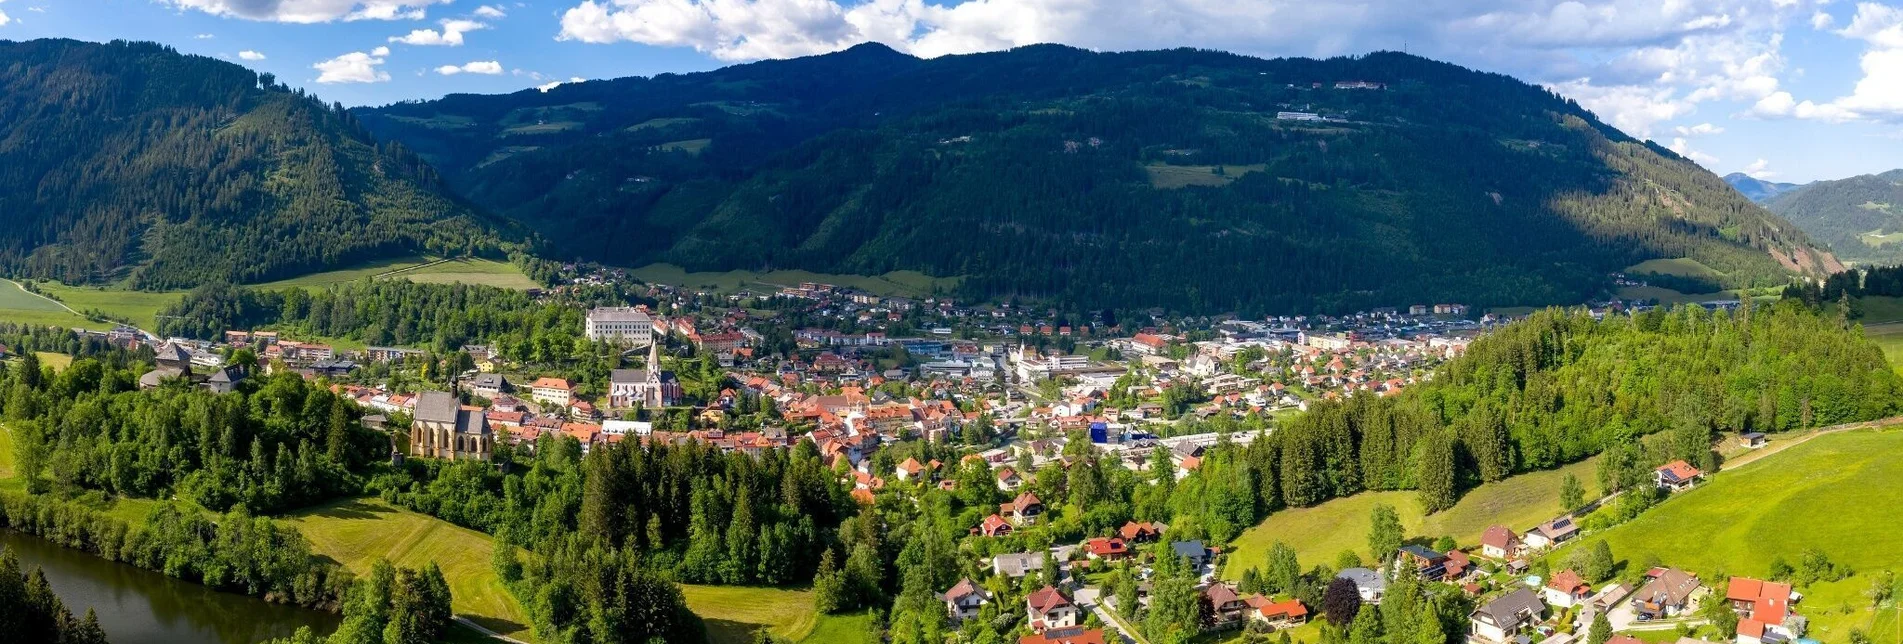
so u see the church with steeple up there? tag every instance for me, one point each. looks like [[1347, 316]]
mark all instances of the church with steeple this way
[[652, 387]]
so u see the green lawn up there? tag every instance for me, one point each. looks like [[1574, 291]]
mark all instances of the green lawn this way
[[842, 629], [1837, 492], [897, 283], [346, 275], [734, 613], [1168, 177], [1320, 533], [357, 532], [142, 307], [1669, 296]]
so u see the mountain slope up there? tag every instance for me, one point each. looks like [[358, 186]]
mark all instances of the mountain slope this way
[[1756, 189], [1861, 217], [1165, 178], [131, 161]]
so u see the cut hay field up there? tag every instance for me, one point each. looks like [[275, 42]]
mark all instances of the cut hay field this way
[[1322, 532], [1678, 266], [356, 532], [1837, 493], [1889, 338], [894, 284], [733, 615], [417, 269]]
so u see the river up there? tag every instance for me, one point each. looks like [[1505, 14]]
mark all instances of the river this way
[[138, 606]]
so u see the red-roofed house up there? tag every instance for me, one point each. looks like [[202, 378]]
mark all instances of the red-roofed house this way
[[554, 391], [1141, 532], [1225, 605], [910, 469], [1108, 549], [1677, 475], [1500, 542], [1049, 608], [1023, 510], [1763, 608], [1278, 615], [964, 599], [1565, 589], [993, 526]]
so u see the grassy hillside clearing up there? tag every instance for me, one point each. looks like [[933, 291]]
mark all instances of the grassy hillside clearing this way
[[141, 307], [1679, 266], [1321, 532], [894, 284], [356, 532], [1836, 493], [418, 269]]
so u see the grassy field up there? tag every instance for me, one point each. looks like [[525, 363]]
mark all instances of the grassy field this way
[[1167, 177], [734, 613], [142, 307], [417, 269], [357, 532], [1679, 266], [1669, 296], [1837, 493], [19, 306], [1888, 337], [896, 283], [1320, 533]]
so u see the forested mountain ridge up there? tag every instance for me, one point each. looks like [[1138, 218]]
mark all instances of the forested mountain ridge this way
[[1756, 189], [1861, 217], [1163, 178], [130, 161]]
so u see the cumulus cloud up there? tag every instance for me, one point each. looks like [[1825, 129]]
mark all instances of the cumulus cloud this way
[[473, 67], [450, 36], [310, 11], [1821, 21], [250, 55], [1684, 149], [491, 12], [354, 67], [545, 87], [1759, 169], [1700, 129], [204, 37]]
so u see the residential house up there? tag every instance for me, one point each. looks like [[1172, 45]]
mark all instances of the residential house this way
[[1565, 589], [1072, 635], [1499, 620], [1023, 510], [1764, 610], [1048, 608], [1751, 440], [911, 469], [1016, 565], [1225, 605], [442, 427], [1500, 542], [993, 526], [1008, 480], [1194, 551], [488, 385], [552, 391], [1426, 562], [1107, 549], [172, 361], [1368, 583], [1677, 476], [964, 599], [1141, 532], [1666, 595], [1551, 533], [1288, 613]]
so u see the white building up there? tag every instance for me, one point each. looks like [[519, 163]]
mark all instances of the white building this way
[[622, 324]]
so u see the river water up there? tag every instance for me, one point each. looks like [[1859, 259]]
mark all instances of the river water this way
[[138, 606]]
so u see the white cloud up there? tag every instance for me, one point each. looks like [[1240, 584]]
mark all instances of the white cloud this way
[[1759, 169], [491, 11], [354, 67], [1684, 149], [250, 55], [1821, 21], [4, 19], [473, 67], [1634, 109], [450, 36], [310, 11], [204, 37], [545, 87], [1701, 129]]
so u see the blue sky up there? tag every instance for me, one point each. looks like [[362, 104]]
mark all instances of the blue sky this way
[[1789, 90]]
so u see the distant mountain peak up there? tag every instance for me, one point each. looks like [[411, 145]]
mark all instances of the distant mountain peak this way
[[1756, 189]]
